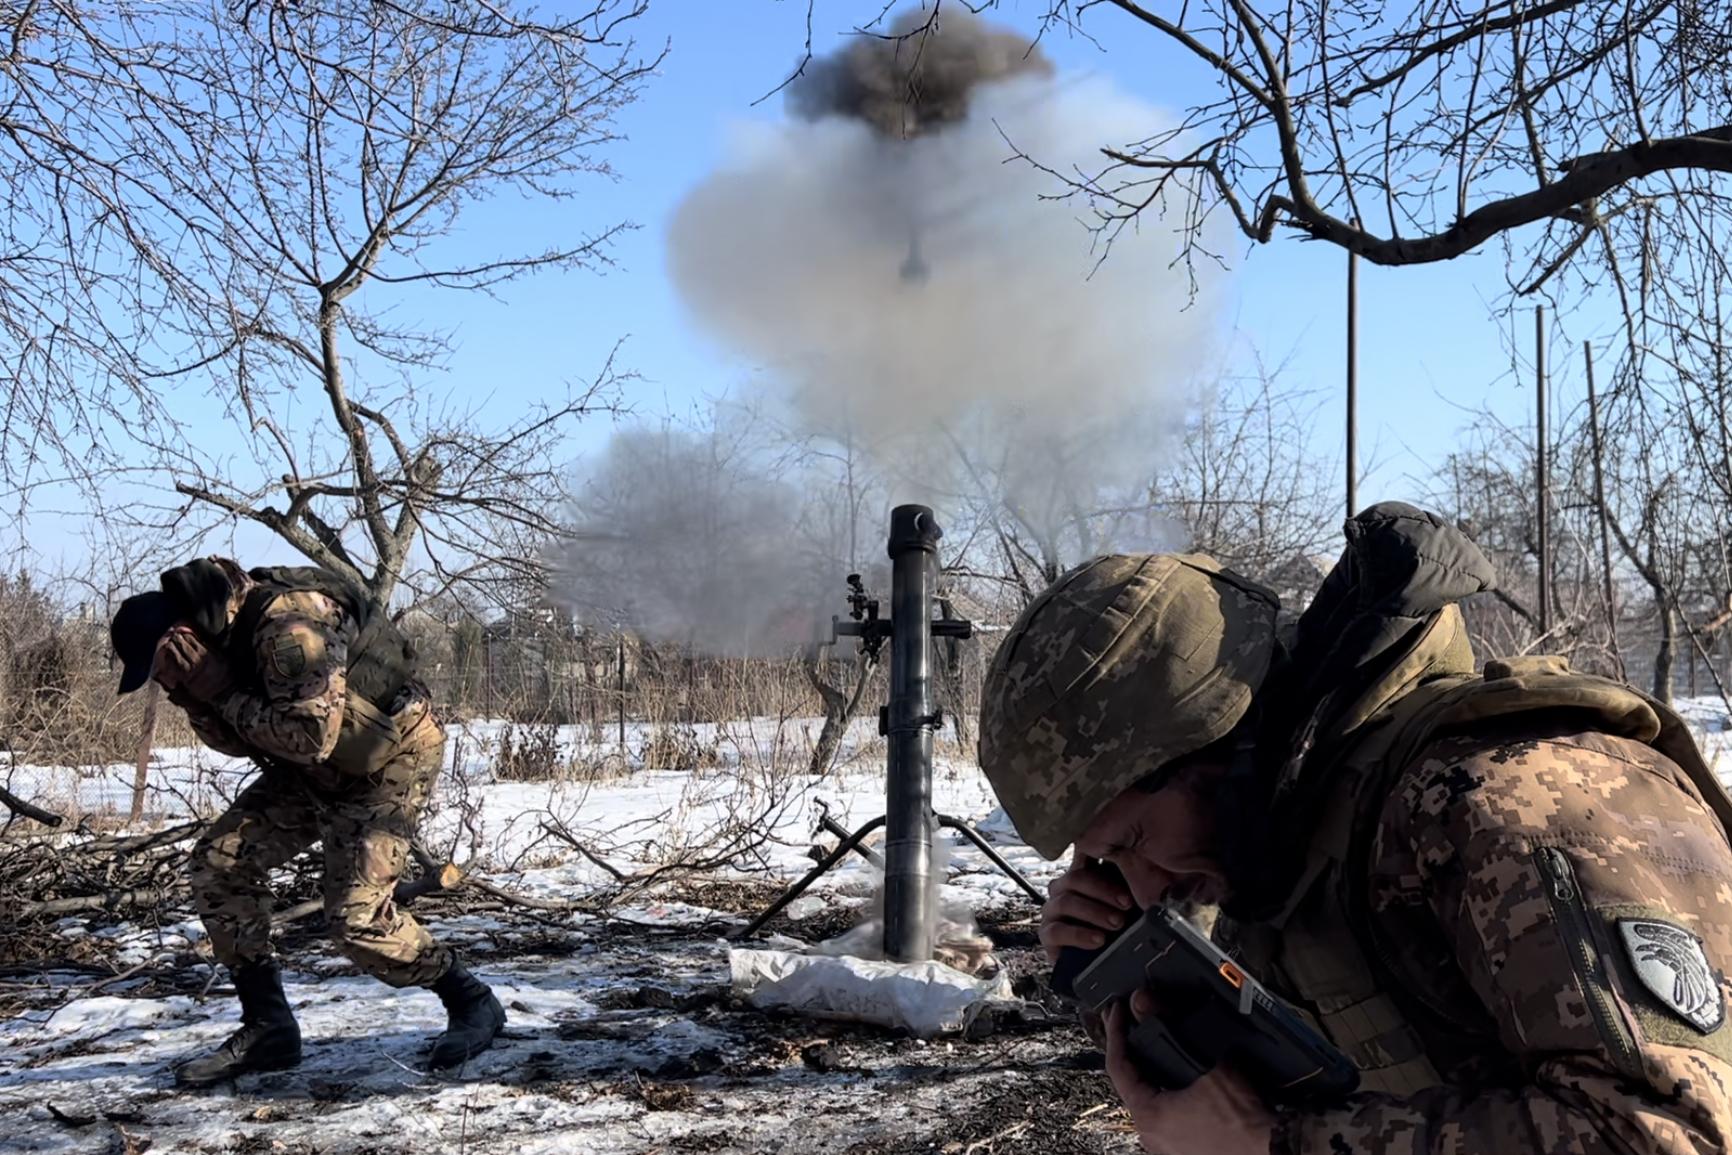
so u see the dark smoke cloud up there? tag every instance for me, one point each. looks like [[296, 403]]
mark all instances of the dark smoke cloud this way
[[696, 536], [682, 536], [917, 79]]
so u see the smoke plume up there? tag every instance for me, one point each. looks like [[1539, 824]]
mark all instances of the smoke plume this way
[[686, 536], [926, 294], [909, 83]]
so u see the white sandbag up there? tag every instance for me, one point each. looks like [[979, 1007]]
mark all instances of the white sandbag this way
[[997, 827], [926, 999]]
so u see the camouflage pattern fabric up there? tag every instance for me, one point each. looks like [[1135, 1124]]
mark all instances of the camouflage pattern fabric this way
[[1547, 896], [1079, 698], [301, 651], [366, 827], [1570, 895], [209, 727], [288, 714]]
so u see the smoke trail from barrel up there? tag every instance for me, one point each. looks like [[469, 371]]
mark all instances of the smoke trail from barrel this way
[[913, 286]]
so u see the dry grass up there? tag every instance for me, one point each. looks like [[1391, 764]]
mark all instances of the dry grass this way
[[535, 753]]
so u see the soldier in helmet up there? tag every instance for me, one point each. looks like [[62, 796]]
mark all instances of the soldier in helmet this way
[[1506, 896], [291, 668]]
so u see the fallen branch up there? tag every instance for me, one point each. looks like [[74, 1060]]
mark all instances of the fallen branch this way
[[441, 878], [141, 842], [25, 810], [129, 972], [553, 905], [52, 876], [566, 836], [148, 896]]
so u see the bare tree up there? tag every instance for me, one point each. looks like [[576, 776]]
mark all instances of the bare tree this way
[[1245, 486], [1667, 518], [1412, 133], [844, 514], [1630, 467], [1237, 478], [1486, 485], [317, 156], [90, 270]]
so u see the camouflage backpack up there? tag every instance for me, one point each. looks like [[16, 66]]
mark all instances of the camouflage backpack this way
[[382, 659]]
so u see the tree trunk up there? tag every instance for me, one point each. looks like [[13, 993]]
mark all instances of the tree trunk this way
[[592, 690], [1663, 661], [146, 738], [839, 709]]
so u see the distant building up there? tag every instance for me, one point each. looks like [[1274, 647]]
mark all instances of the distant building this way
[[1298, 579]]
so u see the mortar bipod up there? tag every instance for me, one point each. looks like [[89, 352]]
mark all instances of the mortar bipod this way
[[847, 842]]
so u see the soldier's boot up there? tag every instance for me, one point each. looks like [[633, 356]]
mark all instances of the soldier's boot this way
[[475, 1017], [269, 1038]]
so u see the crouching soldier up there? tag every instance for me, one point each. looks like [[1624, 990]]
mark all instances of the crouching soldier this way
[[1505, 896], [291, 668]]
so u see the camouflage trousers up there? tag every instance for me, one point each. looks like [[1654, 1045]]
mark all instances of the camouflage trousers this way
[[366, 826]]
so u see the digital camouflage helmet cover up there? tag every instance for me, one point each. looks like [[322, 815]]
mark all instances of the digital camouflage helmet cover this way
[[1128, 662]]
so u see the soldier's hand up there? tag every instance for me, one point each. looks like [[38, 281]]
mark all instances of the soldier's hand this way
[[1083, 905], [186, 665], [176, 654], [1219, 1113]]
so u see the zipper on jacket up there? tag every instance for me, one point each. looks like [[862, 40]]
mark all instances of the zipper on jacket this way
[[1575, 924]]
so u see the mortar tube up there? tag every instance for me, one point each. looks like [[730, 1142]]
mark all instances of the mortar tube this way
[[914, 535]]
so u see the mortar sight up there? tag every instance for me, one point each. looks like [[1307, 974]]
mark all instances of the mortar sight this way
[[866, 624]]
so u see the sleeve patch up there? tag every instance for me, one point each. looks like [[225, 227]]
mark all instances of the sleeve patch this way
[[289, 656], [1673, 966]]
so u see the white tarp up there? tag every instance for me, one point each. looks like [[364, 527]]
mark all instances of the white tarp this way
[[927, 999]]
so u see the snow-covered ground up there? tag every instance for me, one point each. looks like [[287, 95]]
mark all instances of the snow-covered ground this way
[[631, 815], [623, 1034]]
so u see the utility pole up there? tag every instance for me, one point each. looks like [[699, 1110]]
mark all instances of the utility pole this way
[[1600, 501], [1541, 479], [619, 675], [1352, 379]]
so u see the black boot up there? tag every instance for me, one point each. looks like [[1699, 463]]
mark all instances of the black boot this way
[[475, 1015], [269, 1038]]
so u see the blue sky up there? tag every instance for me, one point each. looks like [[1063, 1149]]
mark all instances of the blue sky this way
[[1430, 348]]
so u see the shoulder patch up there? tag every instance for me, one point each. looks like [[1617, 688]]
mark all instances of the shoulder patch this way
[[289, 656], [1672, 965]]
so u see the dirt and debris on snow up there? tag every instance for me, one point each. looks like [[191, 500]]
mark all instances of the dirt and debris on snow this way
[[624, 1033], [622, 1038]]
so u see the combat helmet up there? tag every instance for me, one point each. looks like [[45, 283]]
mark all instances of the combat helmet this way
[[1126, 663]]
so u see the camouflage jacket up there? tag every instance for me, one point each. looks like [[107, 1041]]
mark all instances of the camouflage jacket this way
[[289, 707], [1555, 907]]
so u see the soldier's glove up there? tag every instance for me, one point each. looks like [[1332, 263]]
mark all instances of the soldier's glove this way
[[185, 664]]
